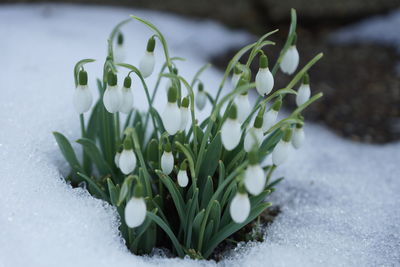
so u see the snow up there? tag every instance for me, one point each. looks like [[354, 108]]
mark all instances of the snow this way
[[339, 199]]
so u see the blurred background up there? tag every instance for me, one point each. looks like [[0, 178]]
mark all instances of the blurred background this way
[[359, 74]]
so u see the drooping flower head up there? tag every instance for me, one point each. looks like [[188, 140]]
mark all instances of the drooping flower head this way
[[167, 159], [112, 96], [184, 113], [298, 136], [254, 177], [281, 150], [254, 135], [82, 96], [230, 130], [271, 115], [146, 64], [171, 116], [264, 78], [290, 59], [135, 209], [183, 178], [201, 97], [237, 72], [126, 96], [304, 91], [119, 51], [240, 206], [127, 160], [242, 102]]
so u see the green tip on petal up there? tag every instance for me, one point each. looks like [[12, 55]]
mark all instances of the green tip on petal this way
[[120, 38], [241, 189], [233, 112], [237, 70], [185, 102], [200, 87], [287, 135], [172, 94], [127, 143], [138, 191], [263, 62], [151, 44], [253, 157], [258, 122], [299, 125], [83, 77], [112, 78], [306, 79], [183, 166], [277, 105], [127, 82], [175, 71], [167, 147]]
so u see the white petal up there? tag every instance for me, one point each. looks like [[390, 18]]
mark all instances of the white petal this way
[[146, 64], [240, 208], [171, 118], [254, 179], [264, 81], [303, 94], [230, 134], [201, 100], [280, 153], [126, 100], [235, 79], [119, 53], [183, 179], [116, 159], [127, 161], [135, 212], [269, 119], [112, 99], [254, 136], [184, 118], [243, 107], [298, 137], [82, 99], [167, 162], [290, 60]]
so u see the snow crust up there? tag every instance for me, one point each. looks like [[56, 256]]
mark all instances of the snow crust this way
[[340, 200]]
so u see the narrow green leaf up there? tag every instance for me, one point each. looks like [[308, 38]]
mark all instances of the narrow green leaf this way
[[215, 215], [211, 158], [94, 186], [221, 175], [125, 189], [112, 190], [96, 156], [208, 191], [68, 152]]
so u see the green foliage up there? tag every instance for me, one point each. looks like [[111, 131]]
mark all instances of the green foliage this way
[[189, 220]]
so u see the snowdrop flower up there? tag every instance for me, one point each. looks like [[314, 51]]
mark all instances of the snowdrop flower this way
[[167, 160], [171, 116], [264, 78], [184, 113], [112, 96], [254, 177], [127, 159], [82, 96], [201, 97], [254, 135], [236, 76], [281, 150], [135, 209], [230, 130], [119, 51], [243, 106], [117, 156], [298, 136], [169, 82], [290, 59], [183, 179], [146, 64], [304, 92], [271, 115], [126, 96], [240, 206]]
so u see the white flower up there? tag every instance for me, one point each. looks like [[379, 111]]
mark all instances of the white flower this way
[[269, 119], [183, 178], [167, 162], [290, 60], [298, 137], [127, 160], [303, 94], [281, 152], [116, 158], [171, 116], [254, 179], [240, 207], [119, 53], [201, 97], [135, 212], [82, 99], [112, 99], [146, 64], [184, 118], [254, 137], [230, 130], [264, 78], [243, 107], [126, 100]]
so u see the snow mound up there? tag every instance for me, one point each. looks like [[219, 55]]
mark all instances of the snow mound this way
[[339, 200]]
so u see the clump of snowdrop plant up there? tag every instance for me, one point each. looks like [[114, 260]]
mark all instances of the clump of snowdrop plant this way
[[175, 181]]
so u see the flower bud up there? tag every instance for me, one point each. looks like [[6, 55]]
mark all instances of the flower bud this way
[[183, 179], [171, 116], [243, 106], [271, 115], [201, 98], [184, 113], [230, 130], [290, 59], [236, 76], [82, 96], [135, 210], [167, 160], [112, 96], [119, 51], [146, 64], [126, 96], [304, 92], [254, 177], [264, 78], [240, 207], [254, 135], [127, 160], [298, 136], [281, 150]]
